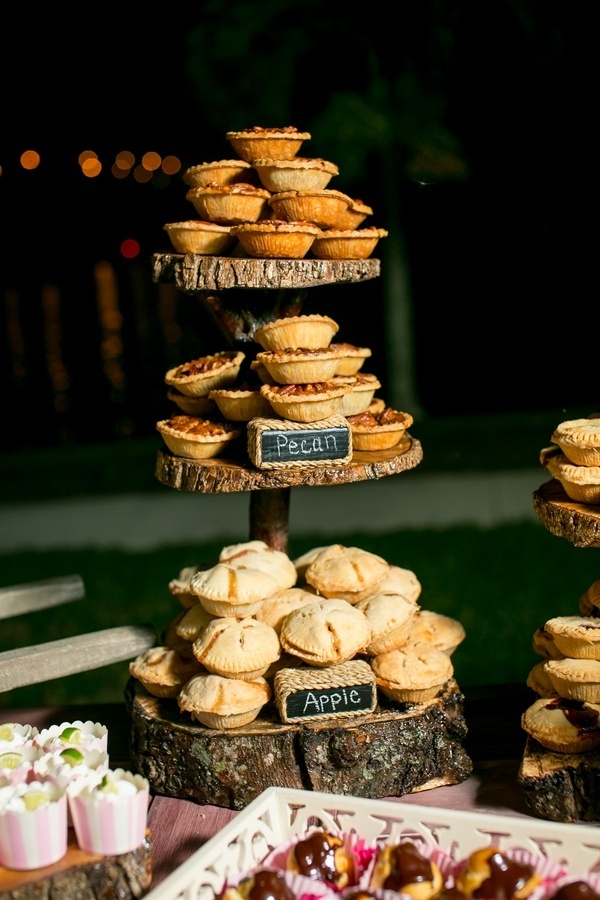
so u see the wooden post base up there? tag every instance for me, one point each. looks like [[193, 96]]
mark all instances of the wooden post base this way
[[561, 787], [386, 753]]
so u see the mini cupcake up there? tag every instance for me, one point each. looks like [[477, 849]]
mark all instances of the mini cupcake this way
[[16, 763], [63, 767], [13, 733], [82, 735], [33, 825], [109, 811]]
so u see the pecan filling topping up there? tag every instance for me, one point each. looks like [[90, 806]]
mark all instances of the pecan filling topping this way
[[307, 352], [193, 425], [388, 416], [256, 129], [203, 364], [302, 390]]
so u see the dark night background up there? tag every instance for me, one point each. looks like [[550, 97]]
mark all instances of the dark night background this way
[[466, 126]]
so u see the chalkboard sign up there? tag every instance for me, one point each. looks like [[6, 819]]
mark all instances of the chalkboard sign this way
[[347, 689], [276, 443]]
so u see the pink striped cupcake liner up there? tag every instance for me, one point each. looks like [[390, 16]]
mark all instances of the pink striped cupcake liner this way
[[109, 811], [32, 838]]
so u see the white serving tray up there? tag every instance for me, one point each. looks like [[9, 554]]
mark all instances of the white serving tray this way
[[279, 813]]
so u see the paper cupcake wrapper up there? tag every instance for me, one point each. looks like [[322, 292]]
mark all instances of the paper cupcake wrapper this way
[[109, 828], [442, 860], [356, 846], [302, 888], [549, 870], [32, 839]]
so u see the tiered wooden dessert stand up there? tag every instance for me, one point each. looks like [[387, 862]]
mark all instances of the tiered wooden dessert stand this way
[[389, 752], [563, 787]]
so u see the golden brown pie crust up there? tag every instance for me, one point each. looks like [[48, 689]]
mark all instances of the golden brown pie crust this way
[[229, 204], [198, 377], [305, 402], [298, 174], [275, 239], [311, 331], [300, 365], [341, 244], [380, 431], [196, 438], [222, 171], [274, 143], [322, 208], [203, 238]]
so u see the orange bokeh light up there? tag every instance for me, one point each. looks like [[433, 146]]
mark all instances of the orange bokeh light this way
[[30, 159], [151, 161]]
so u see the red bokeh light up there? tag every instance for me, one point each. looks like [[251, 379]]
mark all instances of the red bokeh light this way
[[130, 248]]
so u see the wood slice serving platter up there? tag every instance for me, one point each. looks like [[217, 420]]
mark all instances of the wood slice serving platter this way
[[562, 787], [80, 874], [579, 523], [387, 753]]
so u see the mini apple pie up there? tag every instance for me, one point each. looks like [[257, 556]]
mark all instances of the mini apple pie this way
[[222, 171], [297, 174], [274, 609], [204, 238], [163, 671], [338, 243], [325, 633], [196, 438], [575, 679], [229, 204], [443, 632], [380, 431], [192, 406], [576, 636], [362, 391], [222, 703], [257, 554], [300, 365], [351, 358], [193, 622], [390, 616], [227, 589], [579, 440], [412, 674], [580, 483], [347, 573], [403, 581], [313, 331], [262, 143], [275, 238], [322, 208], [305, 402], [179, 587], [240, 404], [200, 376], [354, 216], [564, 726], [237, 648]]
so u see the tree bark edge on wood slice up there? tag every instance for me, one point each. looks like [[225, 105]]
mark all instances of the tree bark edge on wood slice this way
[[577, 522], [387, 753], [561, 787]]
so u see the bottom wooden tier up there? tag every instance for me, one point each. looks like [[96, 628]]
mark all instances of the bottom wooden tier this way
[[386, 753], [80, 874], [562, 787]]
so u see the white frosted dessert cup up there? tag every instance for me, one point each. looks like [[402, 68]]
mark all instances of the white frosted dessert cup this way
[[33, 825], [109, 811]]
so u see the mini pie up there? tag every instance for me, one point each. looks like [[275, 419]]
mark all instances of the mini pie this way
[[274, 609], [229, 204], [337, 243], [258, 554], [163, 671], [323, 208], [193, 622], [297, 174], [179, 587], [191, 406], [564, 726], [267, 143], [414, 674], [223, 703], [222, 171], [404, 869], [354, 216], [196, 438], [347, 573], [579, 440], [488, 867], [576, 636], [543, 644], [313, 331], [204, 238], [402, 581], [300, 365], [237, 648], [229, 590], [305, 402], [539, 682], [351, 358], [575, 679], [362, 387], [325, 632], [390, 616], [275, 238], [260, 370], [589, 602], [581, 483], [380, 431], [200, 376], [172, 641], [303, 561], [431, 627], [240, 404]]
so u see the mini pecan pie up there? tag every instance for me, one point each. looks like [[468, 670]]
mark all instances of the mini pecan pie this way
[[581, 483], [380, 431], [223, 171], [305, 402], [351, 358], [275, 238], [340, 244], [363, 388], [240, 404], [272, 143], [322, 208], [312, 331], [297, 174], [200, 376], [204, 238], [191, 406], [196, 438], [354, 216], [300, 365], [229, 204]]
